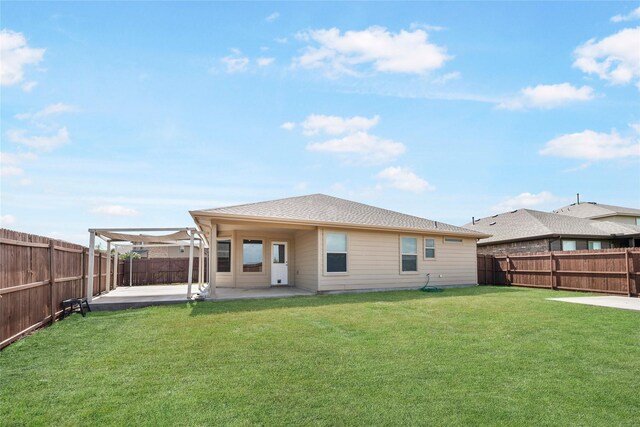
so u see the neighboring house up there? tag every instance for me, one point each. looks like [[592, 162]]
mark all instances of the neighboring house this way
[[324, 243], [527, 230], [168, 251], [600, 212]]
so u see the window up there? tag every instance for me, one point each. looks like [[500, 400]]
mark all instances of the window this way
[[638, 220], [409, 254], [252, 256], [595, 245], [452, 240], [224, 256], [336, 248], [429, 248], [568, 245]]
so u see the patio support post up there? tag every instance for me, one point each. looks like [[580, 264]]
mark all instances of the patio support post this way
[[190, 272], [108, 278], [213, 258], [115, 267], [131, 267], [200, 264], [92, 244]]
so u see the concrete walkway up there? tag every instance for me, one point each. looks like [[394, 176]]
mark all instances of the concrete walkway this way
[[125, 297], [625, 303]]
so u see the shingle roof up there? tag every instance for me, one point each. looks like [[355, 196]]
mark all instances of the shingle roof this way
[[526, 224], [595, 210], [323, 209]]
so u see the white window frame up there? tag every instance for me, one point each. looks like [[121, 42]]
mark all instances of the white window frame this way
[[264, 266], [326, 254], [575, 245], [594, 241], [424, 249], [417, 270]]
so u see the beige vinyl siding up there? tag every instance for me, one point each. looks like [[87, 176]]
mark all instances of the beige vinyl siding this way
[[306, 255], [373, 261]]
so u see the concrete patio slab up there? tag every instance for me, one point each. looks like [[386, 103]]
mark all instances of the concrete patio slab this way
[[625, 303], [125, 297]]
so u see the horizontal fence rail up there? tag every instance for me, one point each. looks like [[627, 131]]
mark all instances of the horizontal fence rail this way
[[38, 273], [157, 271], [611, 271]]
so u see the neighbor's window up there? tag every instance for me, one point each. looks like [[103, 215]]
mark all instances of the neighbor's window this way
[[224, 256], [595, 245], [252, 256], [409, 253], [429, 248], [336, 248], [638, 221], [568, 245], [452, 240]]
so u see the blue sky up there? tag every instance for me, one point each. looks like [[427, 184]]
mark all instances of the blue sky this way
[[130, 114]]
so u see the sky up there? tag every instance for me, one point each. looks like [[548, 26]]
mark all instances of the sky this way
[[130, 114]]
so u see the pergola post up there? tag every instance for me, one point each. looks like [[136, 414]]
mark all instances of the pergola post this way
[[190, 272], [200, 264], [213, 258], [92, 244], [115, 267], [108, 278]]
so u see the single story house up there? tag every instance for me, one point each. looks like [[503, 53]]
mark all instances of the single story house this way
[[600, 212], [528, 230], [323, 243]]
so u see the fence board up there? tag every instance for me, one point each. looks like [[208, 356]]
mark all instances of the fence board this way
[[37, 274], [612, 271], [156, 271]]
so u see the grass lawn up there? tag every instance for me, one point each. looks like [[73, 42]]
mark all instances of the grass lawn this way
[[476, 356]]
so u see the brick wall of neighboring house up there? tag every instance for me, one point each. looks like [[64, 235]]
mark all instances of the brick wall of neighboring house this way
[[539, 245], [158, 252]]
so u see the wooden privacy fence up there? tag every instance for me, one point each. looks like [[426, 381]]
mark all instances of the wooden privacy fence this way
[[36, 274], [611, 271], [150, 271]]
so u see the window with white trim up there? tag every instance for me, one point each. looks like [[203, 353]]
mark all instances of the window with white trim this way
[[568, 245], [595, 244], [336, 252], [224, 256], [409, 254], [429, 248], [252, 256]]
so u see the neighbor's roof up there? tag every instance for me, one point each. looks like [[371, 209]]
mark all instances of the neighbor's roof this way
[[527, 224], [321, 209], [596, 210]]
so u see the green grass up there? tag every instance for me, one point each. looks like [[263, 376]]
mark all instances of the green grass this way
[[475, 356]]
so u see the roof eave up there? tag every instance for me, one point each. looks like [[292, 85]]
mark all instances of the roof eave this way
[[211, 215]]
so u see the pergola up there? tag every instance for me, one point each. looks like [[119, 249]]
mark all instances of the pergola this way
[[125, 238]]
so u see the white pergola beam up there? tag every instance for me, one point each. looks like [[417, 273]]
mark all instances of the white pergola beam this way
[[213, 258], [92, 244], [190, 272], [108, 278]]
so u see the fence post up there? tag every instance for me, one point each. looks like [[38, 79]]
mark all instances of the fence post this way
[[52, 278], [508, 277], [551, 268], [627, 268]]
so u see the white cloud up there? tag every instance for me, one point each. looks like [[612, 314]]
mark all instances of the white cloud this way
[[455, 75], [352, 51], [45, 143], [7, 219], [301, 186], [615, 58], [115, 210], [548, 96], [273, 17], [591, 145], [335, 125], [527, 200], [9, 170], [16, 54], [25, 182], [404, 179], [281, 40], [361, 147], [49, 110], [235, 63], [288, 125], [427, 27], [264, 61], [631, 16], [28, 86]]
